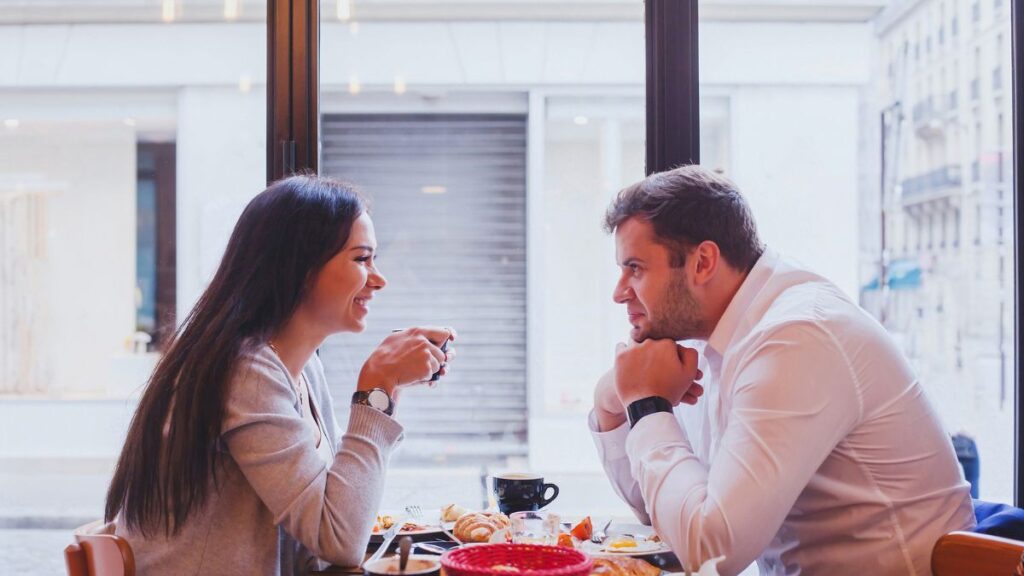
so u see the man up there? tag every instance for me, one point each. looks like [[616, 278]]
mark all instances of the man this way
[[813, 449]]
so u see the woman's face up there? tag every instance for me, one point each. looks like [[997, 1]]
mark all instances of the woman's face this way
[[341, 294]]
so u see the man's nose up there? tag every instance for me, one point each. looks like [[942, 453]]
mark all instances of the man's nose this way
[[622, 293]]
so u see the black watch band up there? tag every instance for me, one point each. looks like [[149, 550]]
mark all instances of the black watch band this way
[[644, 406]]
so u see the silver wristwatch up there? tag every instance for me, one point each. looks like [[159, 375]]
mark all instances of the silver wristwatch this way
[[375, 398]]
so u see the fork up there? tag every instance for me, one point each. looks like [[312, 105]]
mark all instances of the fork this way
[[415, 512], [599, 537]]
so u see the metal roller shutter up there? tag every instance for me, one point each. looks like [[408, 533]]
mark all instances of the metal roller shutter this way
[[448, 199]]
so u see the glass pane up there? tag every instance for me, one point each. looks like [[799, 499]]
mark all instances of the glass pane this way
[[881, 158], [133, 133], [491, 137]]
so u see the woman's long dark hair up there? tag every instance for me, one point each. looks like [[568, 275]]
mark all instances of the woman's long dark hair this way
[[283, 238]]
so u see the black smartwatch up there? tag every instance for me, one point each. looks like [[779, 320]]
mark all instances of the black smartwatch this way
[[644, 406]]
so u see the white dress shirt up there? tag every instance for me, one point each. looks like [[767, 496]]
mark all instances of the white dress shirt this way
[[813, 450]]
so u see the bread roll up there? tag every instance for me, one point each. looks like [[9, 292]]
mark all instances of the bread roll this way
[[452, 512], [622, 566]]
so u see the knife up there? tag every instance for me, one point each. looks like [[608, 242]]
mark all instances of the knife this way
[[389, 536]]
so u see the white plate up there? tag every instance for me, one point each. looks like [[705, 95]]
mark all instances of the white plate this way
[[643, 547], [426, 530]]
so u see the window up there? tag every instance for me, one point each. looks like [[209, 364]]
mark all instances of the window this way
[[942, 24], [155, 246], [816, 130], [943, 217], [502, 139]]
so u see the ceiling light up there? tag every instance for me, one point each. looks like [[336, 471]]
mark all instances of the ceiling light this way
[[581, 120], [344, 10], [11, 123], [354, 87], [232, 8], [244, 84], [433, 189], [399, 85], [169, 10]]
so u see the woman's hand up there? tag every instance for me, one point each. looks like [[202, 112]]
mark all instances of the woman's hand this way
[[406, 357]]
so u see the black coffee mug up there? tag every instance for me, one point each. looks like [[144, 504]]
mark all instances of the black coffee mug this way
[[519, 492]]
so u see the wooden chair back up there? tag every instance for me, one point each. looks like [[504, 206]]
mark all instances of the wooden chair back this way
[[99, 555], [970, 554]]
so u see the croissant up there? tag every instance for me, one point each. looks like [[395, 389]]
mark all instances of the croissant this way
[[479, 526], [452, 512], [622, 566]]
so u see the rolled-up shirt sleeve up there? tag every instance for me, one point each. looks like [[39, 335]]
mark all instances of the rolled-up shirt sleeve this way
[[794, 399]]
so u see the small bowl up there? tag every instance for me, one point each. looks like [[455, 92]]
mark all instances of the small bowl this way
[[419, 565]]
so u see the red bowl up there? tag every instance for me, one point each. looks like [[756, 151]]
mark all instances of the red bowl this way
[[515, 560]]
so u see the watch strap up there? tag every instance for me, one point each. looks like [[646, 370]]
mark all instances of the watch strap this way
[[645, 406]]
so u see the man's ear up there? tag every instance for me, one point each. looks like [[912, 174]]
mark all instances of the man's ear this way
[[705, 260]]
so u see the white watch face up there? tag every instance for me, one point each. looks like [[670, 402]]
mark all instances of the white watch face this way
[[379, 399]]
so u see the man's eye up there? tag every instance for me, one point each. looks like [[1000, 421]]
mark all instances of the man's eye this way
[[363, 259]]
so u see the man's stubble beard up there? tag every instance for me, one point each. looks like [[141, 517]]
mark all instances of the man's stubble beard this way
[[679, 317]]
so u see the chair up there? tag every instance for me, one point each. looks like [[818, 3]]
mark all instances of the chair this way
[[1000, 520], [970, 554], [95, 553]]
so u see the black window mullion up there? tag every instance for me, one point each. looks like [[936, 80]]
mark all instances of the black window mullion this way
[[673, 111]]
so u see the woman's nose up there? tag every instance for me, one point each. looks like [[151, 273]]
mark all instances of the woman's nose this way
[[377, 280]]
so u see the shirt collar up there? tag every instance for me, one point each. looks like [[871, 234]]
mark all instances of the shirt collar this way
[[759, 275]]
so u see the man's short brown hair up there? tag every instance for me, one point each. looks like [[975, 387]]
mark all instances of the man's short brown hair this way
[[687, 206]]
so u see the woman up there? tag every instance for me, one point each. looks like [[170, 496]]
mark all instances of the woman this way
[[233, 462]]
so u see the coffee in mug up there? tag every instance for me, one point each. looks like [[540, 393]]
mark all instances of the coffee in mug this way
[[520, 492]]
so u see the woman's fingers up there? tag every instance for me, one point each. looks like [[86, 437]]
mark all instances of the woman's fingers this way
[[437, 335]]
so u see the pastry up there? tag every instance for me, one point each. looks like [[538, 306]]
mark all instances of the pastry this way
[[479, 526], [622, 566], [452, 512]]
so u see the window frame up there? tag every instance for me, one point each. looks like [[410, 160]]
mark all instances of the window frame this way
[[1016, 31]]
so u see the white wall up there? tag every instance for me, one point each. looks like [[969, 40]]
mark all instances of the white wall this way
[[184, 84], [88, 259], [802, 184], [795, 93]]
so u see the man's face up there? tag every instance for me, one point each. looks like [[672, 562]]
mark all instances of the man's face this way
[[658, 301]]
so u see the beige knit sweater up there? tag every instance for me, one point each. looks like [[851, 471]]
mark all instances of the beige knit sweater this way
[[278, 507]]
